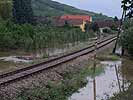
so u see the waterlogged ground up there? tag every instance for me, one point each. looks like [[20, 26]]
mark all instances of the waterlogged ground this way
[[114, 79], [11, 60]]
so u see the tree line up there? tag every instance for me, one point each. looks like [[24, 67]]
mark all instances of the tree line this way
[[20, 11], [127, 35]]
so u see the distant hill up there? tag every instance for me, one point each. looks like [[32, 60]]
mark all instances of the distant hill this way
[[52, 8]]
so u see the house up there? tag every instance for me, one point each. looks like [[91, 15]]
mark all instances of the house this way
[[73, 20], [107, 24]]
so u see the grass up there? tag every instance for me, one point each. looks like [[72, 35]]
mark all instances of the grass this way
[[27, 37], [126, 95], [108, 57], [127, 71], [71, 83]]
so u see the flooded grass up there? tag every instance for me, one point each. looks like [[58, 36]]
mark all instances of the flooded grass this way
[[108, 57], [71, 82], [105, 84], [12, 52], [126, 95], [127, 72], [7, 66], [45, 54]]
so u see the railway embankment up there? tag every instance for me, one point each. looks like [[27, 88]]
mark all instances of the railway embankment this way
[[72, 73]]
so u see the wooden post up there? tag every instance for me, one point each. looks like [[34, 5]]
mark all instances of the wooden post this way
[[95, 54], [94, 67]]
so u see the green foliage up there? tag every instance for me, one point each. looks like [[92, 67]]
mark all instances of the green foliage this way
[[127, 36], [126, 95], [127, 6], [22, 11], [71, 82], [108, 58], [107, 30], [52, 8], [95, 27], [5, 9], [92, 26], [116, 18], [28, 37], [114, 27]]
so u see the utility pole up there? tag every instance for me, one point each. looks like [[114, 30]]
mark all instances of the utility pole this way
[[126, 5], [94, 67], [119, 30], [95, 63]]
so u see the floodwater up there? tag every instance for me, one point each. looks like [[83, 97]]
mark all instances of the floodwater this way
[[112, 81], [70, 47], [40, 54], [14, 59], [55, 50]]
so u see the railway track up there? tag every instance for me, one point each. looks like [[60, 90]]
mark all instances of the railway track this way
[[24, 72]]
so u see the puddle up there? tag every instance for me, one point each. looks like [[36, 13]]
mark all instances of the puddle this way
[[48, 52], [119, 51], [14, 59], [105, 85]]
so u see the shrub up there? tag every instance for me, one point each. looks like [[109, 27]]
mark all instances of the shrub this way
[[127, 36], [127, 40], [28, 37]]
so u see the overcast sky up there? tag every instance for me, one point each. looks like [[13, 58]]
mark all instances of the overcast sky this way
[[108, 7]]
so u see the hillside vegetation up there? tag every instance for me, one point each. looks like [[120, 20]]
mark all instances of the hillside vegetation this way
[[52, 8], [49, 8], [28, 37]]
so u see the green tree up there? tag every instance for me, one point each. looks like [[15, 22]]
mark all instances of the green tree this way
[[22, 11], [116, 18], [127, 6], [95, 27], [127, 37], [5, 9]]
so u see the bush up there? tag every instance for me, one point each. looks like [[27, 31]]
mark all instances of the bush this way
[[28, 37], [108, 30], [127, 37]]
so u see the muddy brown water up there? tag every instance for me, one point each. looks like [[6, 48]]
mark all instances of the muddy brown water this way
[[115, 78]]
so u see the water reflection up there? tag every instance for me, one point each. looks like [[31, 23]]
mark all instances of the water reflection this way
[[127, 69], [94, 89], [103, 86], [117, 75]]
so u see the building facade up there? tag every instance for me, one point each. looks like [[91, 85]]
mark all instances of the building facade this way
[[73, 20]]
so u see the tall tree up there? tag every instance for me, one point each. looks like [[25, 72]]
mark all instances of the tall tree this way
[[127, 6], [5, 9], [22, 11], [116, 18]]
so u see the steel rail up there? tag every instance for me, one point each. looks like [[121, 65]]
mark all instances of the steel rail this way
[[21, 73]]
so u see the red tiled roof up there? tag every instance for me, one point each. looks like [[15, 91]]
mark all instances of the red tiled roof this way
[[72, 17]]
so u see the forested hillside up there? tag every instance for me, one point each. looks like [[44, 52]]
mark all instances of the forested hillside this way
[[52, 8], [49, 8]]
